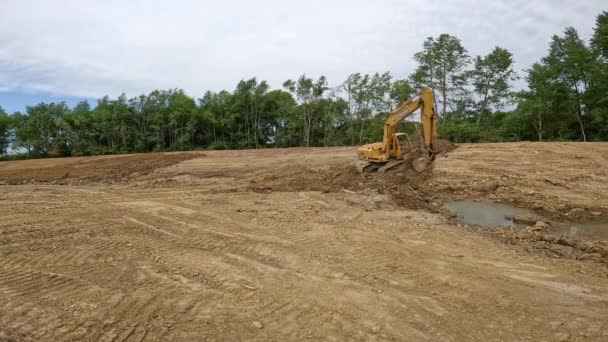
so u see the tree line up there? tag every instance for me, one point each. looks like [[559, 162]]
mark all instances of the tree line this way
[[566, 99]]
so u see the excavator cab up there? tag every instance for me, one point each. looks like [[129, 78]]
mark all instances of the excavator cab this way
[[403, 145]]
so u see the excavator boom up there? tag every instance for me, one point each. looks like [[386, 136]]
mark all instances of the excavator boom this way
[[383, 155]]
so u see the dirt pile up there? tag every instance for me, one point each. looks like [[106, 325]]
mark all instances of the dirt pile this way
[[402, 183]]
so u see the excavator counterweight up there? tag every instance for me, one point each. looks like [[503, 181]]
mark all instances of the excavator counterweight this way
[[381, 156]]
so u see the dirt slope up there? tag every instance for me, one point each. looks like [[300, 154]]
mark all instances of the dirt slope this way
[[276, 245], [115, 168]]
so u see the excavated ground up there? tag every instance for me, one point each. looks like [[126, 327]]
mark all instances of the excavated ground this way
[[295, 244]]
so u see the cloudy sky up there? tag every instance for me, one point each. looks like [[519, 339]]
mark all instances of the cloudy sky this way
[[89, 48]]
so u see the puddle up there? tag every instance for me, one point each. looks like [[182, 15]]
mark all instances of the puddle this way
[[485, 214], [489, 214]]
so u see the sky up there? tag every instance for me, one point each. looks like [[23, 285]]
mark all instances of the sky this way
[[72, 50]]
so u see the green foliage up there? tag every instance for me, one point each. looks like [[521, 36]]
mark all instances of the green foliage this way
[[367, 97], [567, 97], [491, 78], [5, 126], [442, 63], [599, 41]]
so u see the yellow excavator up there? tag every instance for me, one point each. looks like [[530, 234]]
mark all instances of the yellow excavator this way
[[395, 147]]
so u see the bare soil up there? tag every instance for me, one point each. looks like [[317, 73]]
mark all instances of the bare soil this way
[[295, 244], [106, 169]]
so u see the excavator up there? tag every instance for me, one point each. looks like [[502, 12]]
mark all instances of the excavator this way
[[395, 147]]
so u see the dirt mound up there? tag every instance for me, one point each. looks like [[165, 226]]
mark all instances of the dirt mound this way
[[444, 146], [80, 170], [402, 183]]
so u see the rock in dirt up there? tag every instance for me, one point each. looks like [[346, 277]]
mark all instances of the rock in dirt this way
[[565, 242], [549, 238], [590, 256], [561, 250], [527, 219], [257, 324]]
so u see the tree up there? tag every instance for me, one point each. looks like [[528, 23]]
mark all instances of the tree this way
[[111, 120], [215, 108], [401, 91], [306, 92], [535, 103], [182, 110], [571, 60], [490, 77], [428, 62], [367, 96], [599, 41], [597, 92], [441, 66], [38, 132], [5, 127]]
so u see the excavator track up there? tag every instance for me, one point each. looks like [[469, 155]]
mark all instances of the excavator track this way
[[369, 167], [380, 167]]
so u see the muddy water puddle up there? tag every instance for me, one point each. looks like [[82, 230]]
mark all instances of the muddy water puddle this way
[[490, 214]]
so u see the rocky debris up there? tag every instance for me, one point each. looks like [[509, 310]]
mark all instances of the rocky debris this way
[[539, 239]]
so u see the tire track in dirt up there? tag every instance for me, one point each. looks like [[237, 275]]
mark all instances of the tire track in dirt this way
[[27, 321], [35, 287], [268, 232], [18, 280]]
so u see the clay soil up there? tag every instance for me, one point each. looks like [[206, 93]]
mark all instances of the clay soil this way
[[295, 244]]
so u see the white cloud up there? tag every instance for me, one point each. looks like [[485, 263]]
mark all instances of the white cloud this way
[[92, 48]]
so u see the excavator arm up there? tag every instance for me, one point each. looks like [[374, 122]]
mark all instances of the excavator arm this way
[[389, 151]]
